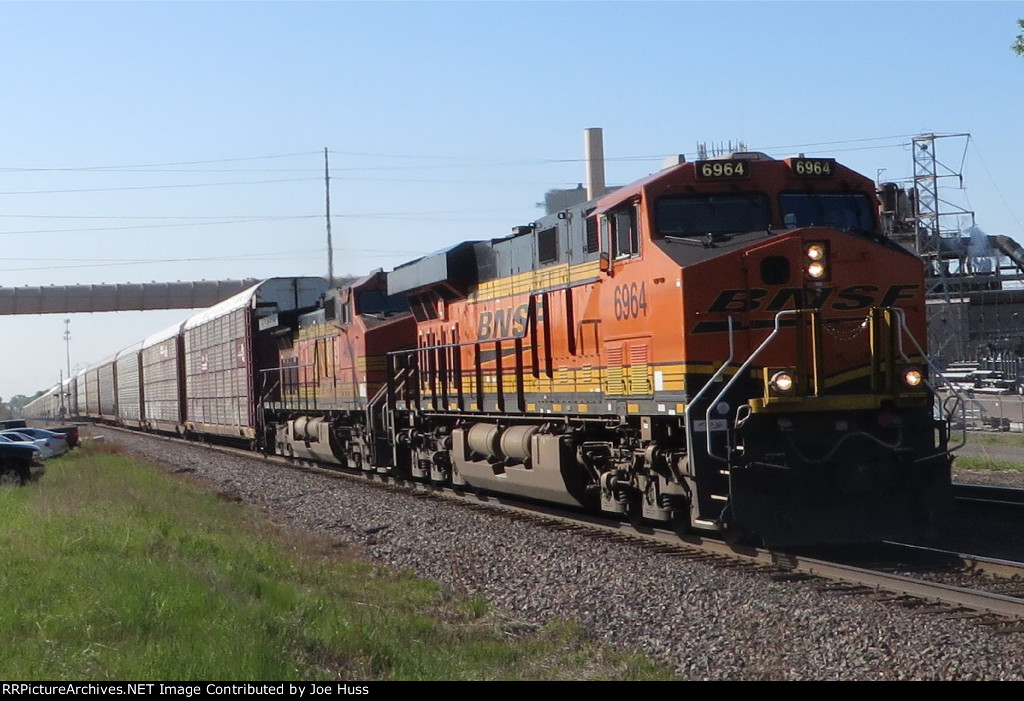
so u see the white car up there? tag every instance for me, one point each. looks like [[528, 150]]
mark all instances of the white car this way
[[57, 441], [5, 437], [49, 445]]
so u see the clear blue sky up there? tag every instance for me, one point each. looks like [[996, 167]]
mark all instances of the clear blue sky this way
[[148, 141]]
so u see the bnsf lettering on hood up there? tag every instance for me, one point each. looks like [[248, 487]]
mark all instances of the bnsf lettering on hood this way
[[848, 298], [503, 323]]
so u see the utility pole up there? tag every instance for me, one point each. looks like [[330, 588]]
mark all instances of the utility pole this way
[[67, 343], [330, 247]]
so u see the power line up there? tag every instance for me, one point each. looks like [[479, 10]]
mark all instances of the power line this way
[[152, 165], [252, 220], [445, 162], [266, 255], [177, 217], [162, 167], [156, 187]]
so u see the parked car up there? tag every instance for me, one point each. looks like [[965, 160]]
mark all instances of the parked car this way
[[59, 441], [16, 438], [49, 446], [8, 437], [70, 431], [20, 462]]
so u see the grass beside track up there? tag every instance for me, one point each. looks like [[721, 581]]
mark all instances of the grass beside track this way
[[1013, 440], [112, 572], [968, 463], [997, 460]]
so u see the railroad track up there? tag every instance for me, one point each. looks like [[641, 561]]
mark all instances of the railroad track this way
[[1008, 497], [999, 604], [987, 590]]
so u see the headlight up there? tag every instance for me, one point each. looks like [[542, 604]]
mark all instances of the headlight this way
[[783, 382], [816, 270], [912, 376], [816, 260], [815, 251]]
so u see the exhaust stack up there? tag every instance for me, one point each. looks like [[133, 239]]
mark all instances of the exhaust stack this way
[[593, 142]]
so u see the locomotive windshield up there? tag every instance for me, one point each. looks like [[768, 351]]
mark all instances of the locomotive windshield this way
[[850, 212], [713, 214]]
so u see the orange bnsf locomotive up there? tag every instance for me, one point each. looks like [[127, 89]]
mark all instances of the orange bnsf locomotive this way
[[316, 405], [727, 345]]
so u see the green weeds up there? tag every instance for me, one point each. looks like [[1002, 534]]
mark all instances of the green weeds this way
[[116, 571]]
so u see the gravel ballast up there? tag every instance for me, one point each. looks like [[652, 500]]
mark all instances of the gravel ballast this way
[[702, 621]]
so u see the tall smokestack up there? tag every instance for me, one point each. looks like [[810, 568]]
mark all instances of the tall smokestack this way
[[593, 143]]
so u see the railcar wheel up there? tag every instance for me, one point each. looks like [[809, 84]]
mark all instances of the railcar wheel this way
[[11, 477], [635, 512]]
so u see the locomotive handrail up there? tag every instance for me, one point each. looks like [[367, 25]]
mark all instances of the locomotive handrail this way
[[268, 388], [385, 413], [902, 317], [303, 399], [746, 364], [399, 375], [705, 388], [261, 414], [385, 397], [444, 378]]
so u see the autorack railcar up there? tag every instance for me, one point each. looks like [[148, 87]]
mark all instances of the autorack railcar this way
[[199, 377], [225, 351]]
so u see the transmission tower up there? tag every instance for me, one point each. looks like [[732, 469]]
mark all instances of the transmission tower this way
[[943, 248]]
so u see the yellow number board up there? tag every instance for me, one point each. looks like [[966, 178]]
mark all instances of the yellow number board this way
[[813, 167], [716, 170]]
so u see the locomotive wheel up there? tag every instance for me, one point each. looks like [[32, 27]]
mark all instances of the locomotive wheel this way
[[681, 524]]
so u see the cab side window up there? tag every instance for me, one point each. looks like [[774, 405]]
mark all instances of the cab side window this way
[[627, 236], [620, 229]]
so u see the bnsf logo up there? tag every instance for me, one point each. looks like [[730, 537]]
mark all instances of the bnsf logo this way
[[503, 323], [844, 299]]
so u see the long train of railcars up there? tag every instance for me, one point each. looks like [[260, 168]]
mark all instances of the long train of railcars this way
[[727, 345]]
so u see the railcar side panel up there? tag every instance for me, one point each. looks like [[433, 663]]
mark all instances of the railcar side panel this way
[[225, 354], [162, 362], [107, 390], [81, 394], [92, 393], [218, 388], [129, 387]]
